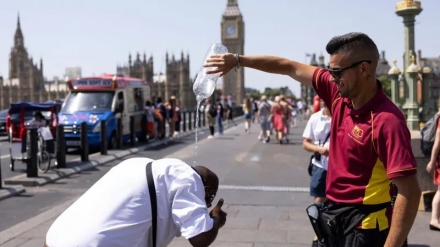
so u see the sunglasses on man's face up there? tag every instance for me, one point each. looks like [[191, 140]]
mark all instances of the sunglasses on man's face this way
[[209, 195], [337, 73]]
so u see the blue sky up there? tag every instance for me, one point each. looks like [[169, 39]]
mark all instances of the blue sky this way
[[98, 34]]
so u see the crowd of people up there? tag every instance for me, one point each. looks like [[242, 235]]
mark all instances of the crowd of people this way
[[159, 114], [275, 115]]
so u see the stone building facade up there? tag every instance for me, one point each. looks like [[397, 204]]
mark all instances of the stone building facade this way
[[175, 82], [25, 81]]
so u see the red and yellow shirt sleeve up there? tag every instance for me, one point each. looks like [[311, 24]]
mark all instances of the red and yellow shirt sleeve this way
[[394, 146]]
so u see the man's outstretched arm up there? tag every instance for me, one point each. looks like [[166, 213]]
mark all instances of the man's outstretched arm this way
[[223, 63]]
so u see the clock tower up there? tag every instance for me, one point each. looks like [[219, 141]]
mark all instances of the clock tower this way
[[232, 33]]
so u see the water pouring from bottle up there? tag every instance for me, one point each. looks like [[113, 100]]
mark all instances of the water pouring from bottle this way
[[204, 84]]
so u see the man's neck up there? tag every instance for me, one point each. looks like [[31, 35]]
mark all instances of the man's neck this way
[[364, 98]]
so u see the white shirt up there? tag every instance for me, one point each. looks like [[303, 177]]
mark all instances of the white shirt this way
[[317, 129], [264, 108], [150, 113], [116, 210], [37, 124]]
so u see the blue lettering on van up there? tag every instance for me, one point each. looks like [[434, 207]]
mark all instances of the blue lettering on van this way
[[92, 82]]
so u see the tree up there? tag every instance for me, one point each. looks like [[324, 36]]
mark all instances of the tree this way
[[254, 95], [272, 92], [386, 83]]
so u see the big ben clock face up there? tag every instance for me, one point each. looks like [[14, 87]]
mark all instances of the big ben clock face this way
[[231, 30]]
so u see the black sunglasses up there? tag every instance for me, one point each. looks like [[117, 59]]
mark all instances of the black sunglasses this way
[[210, 193], [337, 73]]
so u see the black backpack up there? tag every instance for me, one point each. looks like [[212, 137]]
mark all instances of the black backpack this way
[[212, 111], [428, 135]]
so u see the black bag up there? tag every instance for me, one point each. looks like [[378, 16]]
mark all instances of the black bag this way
[[317, 157], [428, 135], [338, 220], [212, 110], [310, 168]]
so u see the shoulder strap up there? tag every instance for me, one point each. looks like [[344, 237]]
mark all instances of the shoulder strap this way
[[326, 138], [152, 190]]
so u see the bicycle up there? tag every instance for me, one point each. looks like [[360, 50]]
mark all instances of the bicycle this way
[[44, 158]]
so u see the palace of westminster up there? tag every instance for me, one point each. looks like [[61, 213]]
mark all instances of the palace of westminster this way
[[26, 81]]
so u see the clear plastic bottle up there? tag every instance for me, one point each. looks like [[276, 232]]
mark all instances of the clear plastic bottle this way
[[204, 84]]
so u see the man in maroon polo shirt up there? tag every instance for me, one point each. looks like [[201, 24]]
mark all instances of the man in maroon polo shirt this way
[[370, 140]]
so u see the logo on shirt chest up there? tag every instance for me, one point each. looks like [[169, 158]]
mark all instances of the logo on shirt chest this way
[[356, 134]]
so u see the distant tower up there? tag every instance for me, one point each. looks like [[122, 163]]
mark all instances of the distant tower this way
[[22, 69], [408, 9], [232, 33]]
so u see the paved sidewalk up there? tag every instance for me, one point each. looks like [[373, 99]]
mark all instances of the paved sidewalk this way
[[255, 219], [271, 215]]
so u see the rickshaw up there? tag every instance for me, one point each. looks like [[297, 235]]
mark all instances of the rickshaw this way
[[19, 121]]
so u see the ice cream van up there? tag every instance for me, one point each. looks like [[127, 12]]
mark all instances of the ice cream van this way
[[107, 97]]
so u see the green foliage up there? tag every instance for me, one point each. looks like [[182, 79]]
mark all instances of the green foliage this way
[[386, 83], [272, 92], [254, 95]]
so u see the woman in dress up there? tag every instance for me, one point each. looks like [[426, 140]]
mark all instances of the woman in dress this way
[[278, 114]]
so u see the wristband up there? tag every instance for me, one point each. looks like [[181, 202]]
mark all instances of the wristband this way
[[237, 57]]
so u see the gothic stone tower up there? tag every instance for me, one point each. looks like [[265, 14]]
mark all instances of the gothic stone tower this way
[[178, 81], [142, 69], [30, 77], [232, 33]]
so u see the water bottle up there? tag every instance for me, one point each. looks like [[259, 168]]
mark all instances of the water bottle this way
[[204, 84]]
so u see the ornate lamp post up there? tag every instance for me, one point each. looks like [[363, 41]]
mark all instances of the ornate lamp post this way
[[411, 75], [394, 73], [408, 10]]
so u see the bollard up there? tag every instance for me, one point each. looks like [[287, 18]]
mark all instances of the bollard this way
[[132, 132], [200, 119], [184, 121], [84, 142], [144, 131], [119, 134], [61, 147], [189, 120], [24, 142], [203, 118], [32, 169], [104, 143]]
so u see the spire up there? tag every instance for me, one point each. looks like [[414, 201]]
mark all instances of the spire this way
[[18, 21], [18, 37], [313, 60]]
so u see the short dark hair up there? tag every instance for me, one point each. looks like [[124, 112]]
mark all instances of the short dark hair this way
[[38, 114], [350, 42]]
